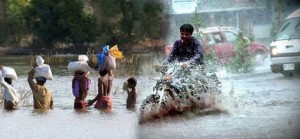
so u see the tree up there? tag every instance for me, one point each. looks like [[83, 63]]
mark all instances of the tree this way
[[128, 20], [242, 62], [151, 19], [108, 19], [12, 23], [53, 21], [209, 54], [3, 9]]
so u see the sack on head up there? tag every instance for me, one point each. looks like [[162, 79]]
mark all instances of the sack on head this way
[[43, 70], [39, 60], [79, 66], [108, 62], [8, 72], [115, 52], [83, 58]]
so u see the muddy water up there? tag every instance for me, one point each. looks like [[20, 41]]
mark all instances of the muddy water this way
[[256, 105]]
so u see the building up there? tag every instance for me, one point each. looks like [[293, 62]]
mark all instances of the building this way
[[253, 17]]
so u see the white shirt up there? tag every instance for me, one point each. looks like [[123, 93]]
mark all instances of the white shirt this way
[[9, 92]]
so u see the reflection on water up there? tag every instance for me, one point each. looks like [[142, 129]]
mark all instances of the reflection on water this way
[[39, 112]]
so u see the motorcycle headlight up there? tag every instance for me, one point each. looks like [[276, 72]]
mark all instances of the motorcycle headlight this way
[[274, 50]]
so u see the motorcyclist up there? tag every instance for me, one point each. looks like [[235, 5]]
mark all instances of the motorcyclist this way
[[187, 50]]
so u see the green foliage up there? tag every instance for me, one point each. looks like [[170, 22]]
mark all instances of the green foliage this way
[[151, 19], [209, 55], [53, 21], [70, 22], [3, 31], [13, 26], [127, 21], [210, 59], [252, 38], [108, 19], [242, 62]]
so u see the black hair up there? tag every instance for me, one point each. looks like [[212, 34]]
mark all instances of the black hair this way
[[187, 28], [132, 81], [103, 72], [8, 80], [41, 80], [79, 72]]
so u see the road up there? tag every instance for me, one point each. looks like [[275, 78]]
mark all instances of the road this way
[[255, 105]]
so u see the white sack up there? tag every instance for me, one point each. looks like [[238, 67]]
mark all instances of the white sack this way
[[79, 66], [83, 58], [39, 60], [8, 72], [43, 71]]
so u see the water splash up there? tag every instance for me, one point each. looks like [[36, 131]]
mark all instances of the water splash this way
[[189, 89]]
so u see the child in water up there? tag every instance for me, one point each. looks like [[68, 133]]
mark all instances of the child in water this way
[[132, 93], [103, 98]]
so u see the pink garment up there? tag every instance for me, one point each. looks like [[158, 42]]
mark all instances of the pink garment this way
[[108, 63], [104, 102]]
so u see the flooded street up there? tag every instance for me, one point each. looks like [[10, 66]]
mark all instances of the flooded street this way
[[255, 105], [204, 69]]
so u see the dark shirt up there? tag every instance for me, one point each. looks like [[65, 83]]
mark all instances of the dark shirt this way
[[190, 51]]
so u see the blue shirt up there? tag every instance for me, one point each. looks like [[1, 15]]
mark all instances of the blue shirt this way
[[190, 51]]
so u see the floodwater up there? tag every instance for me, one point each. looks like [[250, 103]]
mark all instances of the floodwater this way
[[255, 105]]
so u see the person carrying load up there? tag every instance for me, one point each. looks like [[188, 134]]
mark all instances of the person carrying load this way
[[42, 96], [80, 82], [11, 97], [106, 63]]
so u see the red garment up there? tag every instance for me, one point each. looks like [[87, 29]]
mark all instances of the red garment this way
[[104, 102], [80, 105]]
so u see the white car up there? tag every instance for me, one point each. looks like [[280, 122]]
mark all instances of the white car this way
[[285, 48]]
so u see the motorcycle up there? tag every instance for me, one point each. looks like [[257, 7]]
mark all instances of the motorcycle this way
[[180, 89]]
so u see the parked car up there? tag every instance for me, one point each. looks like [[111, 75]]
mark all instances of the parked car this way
[[285, 48], [222, 40]]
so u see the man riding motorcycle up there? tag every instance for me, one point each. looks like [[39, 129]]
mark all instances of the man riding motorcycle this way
[[187, 50], [184, 85]]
